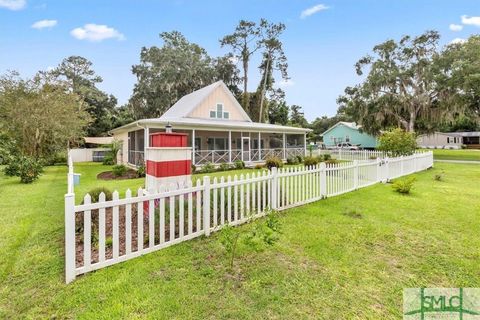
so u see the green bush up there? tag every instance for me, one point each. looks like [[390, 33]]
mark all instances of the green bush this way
[[208, 168], [259, 166], [327, 157], [397, 142], [107, 160], [239, 164], [404, 185], [12, 169], [119, 170], [224, 166], [95, 194], [273, 162], [141, 171], [29, 169], [292, 160], [299, 159], [310, 161], [332, 161]]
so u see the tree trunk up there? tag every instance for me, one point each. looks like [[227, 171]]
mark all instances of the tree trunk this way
[[411, 122], [262, 98], [245, 101]]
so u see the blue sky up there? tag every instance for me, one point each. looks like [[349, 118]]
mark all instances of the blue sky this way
[[322, 45]]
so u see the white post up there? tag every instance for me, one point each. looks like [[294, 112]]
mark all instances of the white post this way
[[259, 146], [70, 175], [146, 141], [274, 189], [323, 180], [230, 146], [69, 237], [401, 165], [355, 174], [193, 147], [305, 144], [387, 169], [206, 205], [379, 178], [284, 146]]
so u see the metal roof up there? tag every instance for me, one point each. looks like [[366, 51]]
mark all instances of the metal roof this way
[[211, 124]]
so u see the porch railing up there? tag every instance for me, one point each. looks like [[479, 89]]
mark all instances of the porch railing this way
[[221, 156]]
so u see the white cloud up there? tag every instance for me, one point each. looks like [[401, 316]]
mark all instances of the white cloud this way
[[286, 83], [13, 4], [458, 41], [456, 27], [96, 33], [44, 24], [473, 21], [317, 8]]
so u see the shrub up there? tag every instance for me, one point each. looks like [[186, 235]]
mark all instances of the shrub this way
[[29, 169], [327, 157], [224, 166], [403, 186], [292, 160], [12, 169], [310, 161], [208, 168], [273, 162], [141, 171], [259, 166], [194, 168], [107, 160], [95, 194], [397, 142], [332, 161], [239, 164], [299, 159], [119, 170]]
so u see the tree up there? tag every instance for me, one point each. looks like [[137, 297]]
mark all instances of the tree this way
[[400, 87], [167, 73], [297, 117], [77, 74], [39, 115], [273, 59], [457, 73], [244, 43], [278, 112]]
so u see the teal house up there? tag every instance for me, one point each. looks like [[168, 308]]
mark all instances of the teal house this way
[[348, 132]]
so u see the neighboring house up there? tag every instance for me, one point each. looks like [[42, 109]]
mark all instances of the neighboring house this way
[[449, 140], [94, 150], [348, 132], [218, 129]]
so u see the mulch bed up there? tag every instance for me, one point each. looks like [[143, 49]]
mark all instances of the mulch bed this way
[[108, 175]]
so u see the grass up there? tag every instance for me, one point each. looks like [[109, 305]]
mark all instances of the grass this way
[[344, 257], [462, 154]]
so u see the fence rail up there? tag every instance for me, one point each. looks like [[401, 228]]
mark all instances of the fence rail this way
[[107, 232]]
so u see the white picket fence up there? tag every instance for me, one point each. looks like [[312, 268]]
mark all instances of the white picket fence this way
[[104, 233]]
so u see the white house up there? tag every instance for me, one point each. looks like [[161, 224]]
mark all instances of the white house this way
[[450, 140], [218, 129]]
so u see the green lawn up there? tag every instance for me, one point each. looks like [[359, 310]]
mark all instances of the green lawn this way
[[462, 154], [327, 264]]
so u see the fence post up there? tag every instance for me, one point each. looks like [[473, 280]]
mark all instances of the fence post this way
[[274, 189], [206, 205], [323, 180], [69, 237], [387, 169], [379, 170], [355, 174]]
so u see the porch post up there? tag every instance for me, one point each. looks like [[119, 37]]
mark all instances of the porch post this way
[[284, 146], [229, 146], [259, 146], [146, 143], [193, 147], [305, 144]]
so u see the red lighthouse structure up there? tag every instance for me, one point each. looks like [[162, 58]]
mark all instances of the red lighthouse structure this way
[[168, 160]]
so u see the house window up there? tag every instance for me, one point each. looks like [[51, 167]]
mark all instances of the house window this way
[[347, 138], [218, 113], [218, 144], [198, 144]]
